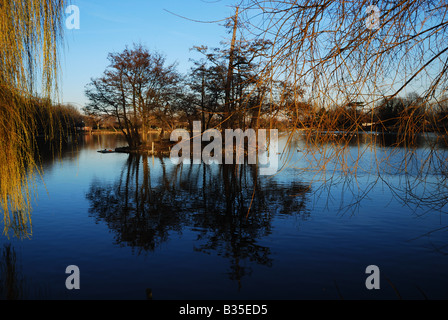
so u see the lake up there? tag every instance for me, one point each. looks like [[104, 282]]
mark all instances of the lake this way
[[141, 226]]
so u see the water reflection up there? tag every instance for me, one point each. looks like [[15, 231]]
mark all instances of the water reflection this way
[[376, 139], [51, 153], [415, 172], [11, 279], [175, 218], [229, 207]]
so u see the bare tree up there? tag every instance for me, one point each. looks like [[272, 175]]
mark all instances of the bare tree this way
[[136, 88], [227, 80]]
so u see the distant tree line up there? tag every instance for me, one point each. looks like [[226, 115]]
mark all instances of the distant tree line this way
[[387, 115], [55, 121]]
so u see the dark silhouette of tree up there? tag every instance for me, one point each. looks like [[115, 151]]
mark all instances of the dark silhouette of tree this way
[[137, 87]]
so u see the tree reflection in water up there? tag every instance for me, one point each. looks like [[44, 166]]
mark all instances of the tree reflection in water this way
[[229, 206], [413, 172], [11, 279]]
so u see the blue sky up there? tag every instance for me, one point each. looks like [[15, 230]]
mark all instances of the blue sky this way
[[108, 26]]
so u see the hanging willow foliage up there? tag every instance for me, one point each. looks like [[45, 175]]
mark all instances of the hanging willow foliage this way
[[353, 68], [30, 32]]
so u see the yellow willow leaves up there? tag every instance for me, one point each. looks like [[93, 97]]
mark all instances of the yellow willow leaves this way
[[29, 34]]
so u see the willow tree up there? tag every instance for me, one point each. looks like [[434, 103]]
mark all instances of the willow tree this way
[[341, 53], [30, 31]]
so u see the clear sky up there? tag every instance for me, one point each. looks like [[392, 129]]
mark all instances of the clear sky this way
[[109, 25]]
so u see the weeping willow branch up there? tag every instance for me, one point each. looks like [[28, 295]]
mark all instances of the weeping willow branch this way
[[342, 75], [30, 31]]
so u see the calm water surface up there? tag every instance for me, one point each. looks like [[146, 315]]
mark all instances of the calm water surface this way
[[135, 225]]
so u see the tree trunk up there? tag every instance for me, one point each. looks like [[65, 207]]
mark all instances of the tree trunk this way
[[228, 103]]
